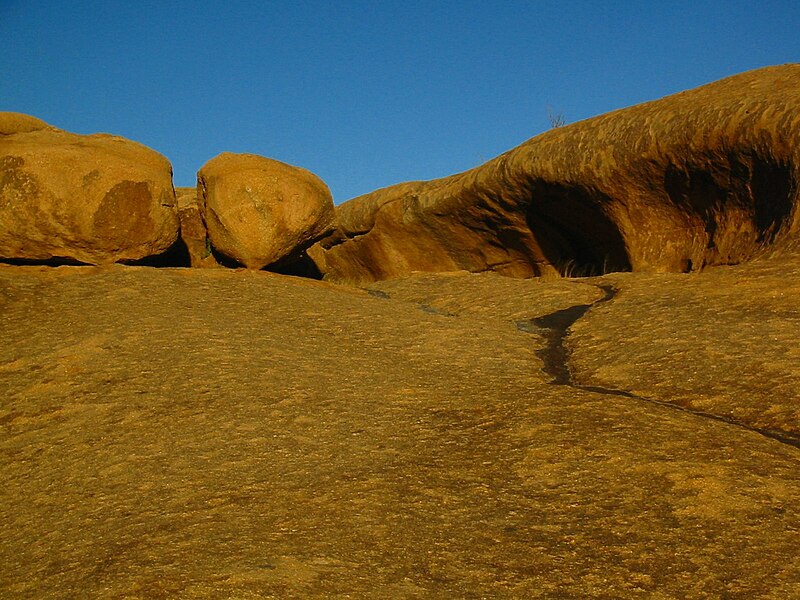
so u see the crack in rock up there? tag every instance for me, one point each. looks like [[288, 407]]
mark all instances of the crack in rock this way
[[555, 327], [423, 306], [378, 294], [432, 310]]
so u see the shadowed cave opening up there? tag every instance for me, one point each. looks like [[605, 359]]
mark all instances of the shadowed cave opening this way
[[302, 266], [762, 189], [176, 255], [574, 234], [773, 189], [223, 259]]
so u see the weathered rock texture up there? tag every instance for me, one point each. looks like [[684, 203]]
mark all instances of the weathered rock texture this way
[[730, 349], [11, 123], [404, 444], [704, 177], [91, 198], [194, 233], [261, 211]]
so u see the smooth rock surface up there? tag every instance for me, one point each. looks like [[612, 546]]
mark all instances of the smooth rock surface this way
[[211, 434], [261, 211], [89, 198], [704, 177]]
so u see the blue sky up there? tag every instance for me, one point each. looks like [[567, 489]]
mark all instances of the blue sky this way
[[365, 94]]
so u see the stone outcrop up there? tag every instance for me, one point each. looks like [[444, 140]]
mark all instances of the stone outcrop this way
[[194, 234], [262, 212], [88, 198], [705, 177], [11, 122]]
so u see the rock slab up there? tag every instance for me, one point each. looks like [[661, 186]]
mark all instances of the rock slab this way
[[704, 177], [261, 211], [89, 198], [205, 433]]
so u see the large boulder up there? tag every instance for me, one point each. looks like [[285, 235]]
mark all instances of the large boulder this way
[[260, 211], [90, 198], [704, 177]]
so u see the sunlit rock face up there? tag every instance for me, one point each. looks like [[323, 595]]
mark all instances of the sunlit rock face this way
[[261, 211], [704, 177], [219, 433], [87, 198]]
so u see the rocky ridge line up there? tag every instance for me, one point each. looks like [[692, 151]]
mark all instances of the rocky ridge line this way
[[704, 177]]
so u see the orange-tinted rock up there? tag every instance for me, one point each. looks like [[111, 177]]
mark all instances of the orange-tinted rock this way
[[11, 122], [193, 228], [261, 211], [704, 177], [91, 198], [200, 433]]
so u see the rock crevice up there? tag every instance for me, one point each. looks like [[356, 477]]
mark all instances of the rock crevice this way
[[555, 356]]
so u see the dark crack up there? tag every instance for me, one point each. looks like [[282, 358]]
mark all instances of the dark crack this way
[[423, 306], [432, 310], [556, 356], [555, 327], [378, 294]]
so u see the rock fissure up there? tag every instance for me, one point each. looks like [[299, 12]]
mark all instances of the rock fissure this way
[[555, 327], [423, 306]]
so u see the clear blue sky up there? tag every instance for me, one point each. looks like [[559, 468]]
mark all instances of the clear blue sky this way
[[365, 94]]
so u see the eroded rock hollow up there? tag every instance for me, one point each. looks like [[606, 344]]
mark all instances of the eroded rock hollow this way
[[704, 177]]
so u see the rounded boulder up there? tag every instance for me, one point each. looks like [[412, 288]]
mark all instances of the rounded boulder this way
[[90, 198], [261, 211]]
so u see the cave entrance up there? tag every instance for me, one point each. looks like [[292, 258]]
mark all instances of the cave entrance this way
[[574, 234], [176, 255]]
